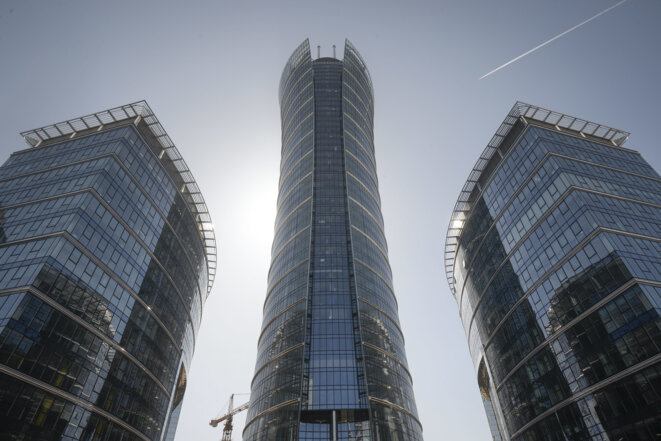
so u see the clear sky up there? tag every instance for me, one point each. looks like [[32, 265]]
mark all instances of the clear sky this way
[[210, 71]]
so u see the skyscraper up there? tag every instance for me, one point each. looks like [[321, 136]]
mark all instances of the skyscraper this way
[[330, 362], [107, 254], [553, 254]]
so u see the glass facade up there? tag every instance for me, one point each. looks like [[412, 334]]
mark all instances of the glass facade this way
[[104, 269], [553, 257], [331, 362]]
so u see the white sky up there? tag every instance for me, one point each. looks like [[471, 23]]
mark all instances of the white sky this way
[[210, 71]]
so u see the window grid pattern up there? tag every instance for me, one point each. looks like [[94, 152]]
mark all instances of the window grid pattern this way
[[334, 376], [559, 285], [387, 376], [280, 354], [112, 269], [330, 324]]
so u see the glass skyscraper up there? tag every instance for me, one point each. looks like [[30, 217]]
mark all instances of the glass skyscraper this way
[[553, 254], [107, 254], [331, 362]]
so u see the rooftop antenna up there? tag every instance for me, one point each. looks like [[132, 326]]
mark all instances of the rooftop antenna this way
[[334, 52], [318, 51]]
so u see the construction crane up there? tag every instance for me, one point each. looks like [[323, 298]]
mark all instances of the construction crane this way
[[227, 430]]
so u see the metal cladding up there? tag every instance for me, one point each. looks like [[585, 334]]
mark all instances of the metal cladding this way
[[331, 359], [552, 255]]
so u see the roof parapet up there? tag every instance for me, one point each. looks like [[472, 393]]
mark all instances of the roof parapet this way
[[141, 112], [526, 113]]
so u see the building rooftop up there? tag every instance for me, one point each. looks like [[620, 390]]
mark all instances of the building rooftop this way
[[169, 156], [526, 114]]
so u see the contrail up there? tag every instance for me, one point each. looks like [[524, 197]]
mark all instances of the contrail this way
[[554, 38]]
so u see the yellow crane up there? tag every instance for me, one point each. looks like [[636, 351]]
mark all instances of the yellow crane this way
[[231, 411]]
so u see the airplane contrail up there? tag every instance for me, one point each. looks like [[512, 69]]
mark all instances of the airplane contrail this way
[[554, 38]]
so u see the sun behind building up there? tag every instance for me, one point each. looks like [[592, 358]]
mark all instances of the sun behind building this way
[[331, 362]]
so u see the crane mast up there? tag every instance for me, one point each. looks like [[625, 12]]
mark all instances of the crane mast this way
[[228, 417]]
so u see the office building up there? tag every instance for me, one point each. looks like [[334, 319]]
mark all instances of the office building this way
[[107, 254], [330, 362], [553, 254]]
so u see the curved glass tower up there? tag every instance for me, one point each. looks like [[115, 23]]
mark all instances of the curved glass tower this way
[[331, 362], [554, 256], [107, 255]]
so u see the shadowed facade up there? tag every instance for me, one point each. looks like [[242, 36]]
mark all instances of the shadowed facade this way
[[107, 256], [553, 257]]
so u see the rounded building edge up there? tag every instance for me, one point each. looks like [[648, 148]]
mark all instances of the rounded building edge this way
[[521, 113]]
